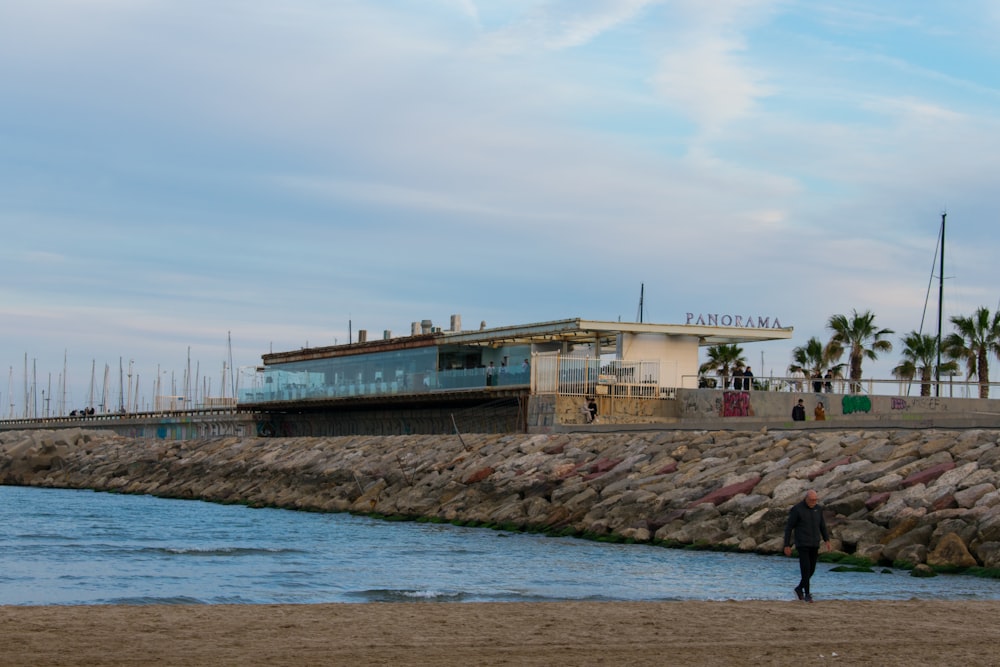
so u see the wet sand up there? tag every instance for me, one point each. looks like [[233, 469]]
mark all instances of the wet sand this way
[[558, 633]]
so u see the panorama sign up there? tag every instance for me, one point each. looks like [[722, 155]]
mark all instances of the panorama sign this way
[[745, 321]]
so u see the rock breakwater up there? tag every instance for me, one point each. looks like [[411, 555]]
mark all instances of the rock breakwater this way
[[904, 496]]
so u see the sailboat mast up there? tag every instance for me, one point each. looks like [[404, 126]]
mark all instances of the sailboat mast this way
[[937, 376], [104, 392], [232, 372], [62, 387], [90, 398]]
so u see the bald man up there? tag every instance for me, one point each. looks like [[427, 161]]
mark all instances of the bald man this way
[[806, 523]]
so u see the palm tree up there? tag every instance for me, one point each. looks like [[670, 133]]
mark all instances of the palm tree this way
[[811, 358], [974, 339], [860, 338], [722, 359], [920, 354]]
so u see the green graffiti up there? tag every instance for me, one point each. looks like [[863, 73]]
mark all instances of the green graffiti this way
[[856, 403]]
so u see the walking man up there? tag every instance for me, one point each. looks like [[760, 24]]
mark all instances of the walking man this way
[[805, 521]]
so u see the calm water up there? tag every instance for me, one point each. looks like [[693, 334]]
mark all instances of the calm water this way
[[79, 547]]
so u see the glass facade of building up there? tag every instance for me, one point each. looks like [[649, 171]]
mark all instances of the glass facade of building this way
[[418, 370]]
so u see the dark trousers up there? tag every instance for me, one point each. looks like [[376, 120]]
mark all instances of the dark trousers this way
[[808, 556]]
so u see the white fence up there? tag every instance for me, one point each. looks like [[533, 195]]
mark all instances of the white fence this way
[[588, 376]]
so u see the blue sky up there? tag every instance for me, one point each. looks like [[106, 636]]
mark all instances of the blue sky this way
[[177, 174]]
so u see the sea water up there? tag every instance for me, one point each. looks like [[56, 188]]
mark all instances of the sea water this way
[[82, 547]]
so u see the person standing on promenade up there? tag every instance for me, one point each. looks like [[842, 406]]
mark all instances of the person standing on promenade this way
[[805, 521], [820, 412], [799, 412]]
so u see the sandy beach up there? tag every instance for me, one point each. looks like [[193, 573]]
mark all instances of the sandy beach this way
[[560, 633]]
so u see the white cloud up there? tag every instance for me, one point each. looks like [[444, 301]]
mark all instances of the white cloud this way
[[562, 24]]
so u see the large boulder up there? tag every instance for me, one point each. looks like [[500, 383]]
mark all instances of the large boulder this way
[[917, 537], [951, 552], [859, 532], [970, 496], [927, 475], [914, 554], [765, 524], [720, 496], [989, 554]]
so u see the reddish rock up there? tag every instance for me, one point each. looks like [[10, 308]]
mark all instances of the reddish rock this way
[[601, 467], [565, 470], [557, 448], [478, 476], [604, 465], [876, 500], [658, 522], [720, 496], [945, 502], [667, 469], [828, 467], [927, 475]]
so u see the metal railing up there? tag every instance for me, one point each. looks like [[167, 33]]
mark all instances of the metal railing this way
[[113, 417], [950, 388], [588, 376]]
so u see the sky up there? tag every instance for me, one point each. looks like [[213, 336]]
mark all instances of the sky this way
[[183, 183]]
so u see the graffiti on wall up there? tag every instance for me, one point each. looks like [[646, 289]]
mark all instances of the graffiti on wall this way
[[736, 404], [919, 404], [696, 404], [852, 403]]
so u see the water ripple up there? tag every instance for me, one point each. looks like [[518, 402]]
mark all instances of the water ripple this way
[[136, 550]]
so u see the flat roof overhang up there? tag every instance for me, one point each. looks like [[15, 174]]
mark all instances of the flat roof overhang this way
[[587, 331], [573, 331]]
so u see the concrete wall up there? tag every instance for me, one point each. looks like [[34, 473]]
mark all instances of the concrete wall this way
[[504, 417], [678, 356], [550, 412], [711, 409], [742, 409]]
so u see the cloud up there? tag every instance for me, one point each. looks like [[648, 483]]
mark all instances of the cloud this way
[[706, 82], [562, 24]]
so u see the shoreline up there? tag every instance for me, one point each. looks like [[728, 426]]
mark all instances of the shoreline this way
[[524, 633], [897, 497]]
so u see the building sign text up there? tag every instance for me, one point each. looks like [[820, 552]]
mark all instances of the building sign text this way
[[747, 321]]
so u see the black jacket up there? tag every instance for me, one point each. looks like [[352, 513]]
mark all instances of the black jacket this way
[[798, 413], [808, 525]]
